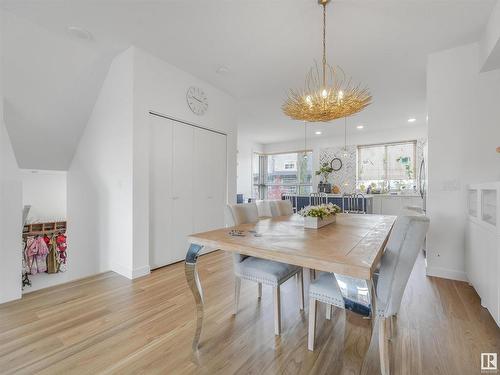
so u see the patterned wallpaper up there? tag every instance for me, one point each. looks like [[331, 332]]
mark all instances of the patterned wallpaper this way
[[346, 177]]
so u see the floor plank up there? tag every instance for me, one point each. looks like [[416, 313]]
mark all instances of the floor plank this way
[[107, 324]]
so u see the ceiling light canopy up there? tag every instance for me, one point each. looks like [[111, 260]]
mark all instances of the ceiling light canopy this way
[[328, 94], [412, 119], [222, 69], [359, 127], [80, 33], [318, 132]]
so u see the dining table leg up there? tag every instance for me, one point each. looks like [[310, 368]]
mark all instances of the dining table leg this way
[[373, 298], [194, 284]]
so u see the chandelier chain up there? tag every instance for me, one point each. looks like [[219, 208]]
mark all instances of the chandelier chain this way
[[345, 133], [324, 44]]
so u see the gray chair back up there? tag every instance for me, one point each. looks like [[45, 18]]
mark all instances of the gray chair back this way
[[263, 208], [281, 208], [292, 198], [243, 214], [405, 241]]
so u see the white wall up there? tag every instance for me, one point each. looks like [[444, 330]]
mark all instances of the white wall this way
[[108, 182], [100, 181], [10, 215], [45, 192], [161, 87], [489, 45], [246, 149], [464, 131]]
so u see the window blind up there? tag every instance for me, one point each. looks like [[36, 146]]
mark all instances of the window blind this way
[[394, 161]]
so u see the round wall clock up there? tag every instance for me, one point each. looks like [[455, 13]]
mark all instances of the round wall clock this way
[[197, 100], [336, 164]]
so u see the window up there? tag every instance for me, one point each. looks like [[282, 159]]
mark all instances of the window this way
[[276, 174], [387, 166]]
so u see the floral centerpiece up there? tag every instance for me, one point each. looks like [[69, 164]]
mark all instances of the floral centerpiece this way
[[319, 216]]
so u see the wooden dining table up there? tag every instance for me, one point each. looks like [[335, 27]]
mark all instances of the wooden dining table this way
[[351, 246]]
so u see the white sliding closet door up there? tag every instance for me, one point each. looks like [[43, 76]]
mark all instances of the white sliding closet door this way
[[209, 180], [182, 188], [160, 192], [188, 187]]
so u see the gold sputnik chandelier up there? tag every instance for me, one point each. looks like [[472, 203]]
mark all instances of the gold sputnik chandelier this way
[[327, 94]]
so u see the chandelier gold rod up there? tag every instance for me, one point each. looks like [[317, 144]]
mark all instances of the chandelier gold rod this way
[[324, 45]]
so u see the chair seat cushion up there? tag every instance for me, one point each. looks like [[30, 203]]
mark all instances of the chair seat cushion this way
[[342, 291], [265, 271]]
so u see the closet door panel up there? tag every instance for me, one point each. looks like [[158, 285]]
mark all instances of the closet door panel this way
[[202, 179], [220, 181], [160, 192], [182, 188], [210, 180]]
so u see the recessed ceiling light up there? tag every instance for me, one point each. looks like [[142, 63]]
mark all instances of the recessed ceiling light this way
[[318, 133], [412, 119], [222, 69], [80, 33], [359, 127]]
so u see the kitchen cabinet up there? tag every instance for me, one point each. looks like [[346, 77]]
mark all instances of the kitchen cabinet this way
[[385, 204], [482, 245]]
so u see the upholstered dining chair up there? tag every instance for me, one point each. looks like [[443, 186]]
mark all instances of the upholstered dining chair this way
[[263, 208], [281, 208], [293, 198], [397, 262], [262, 271]]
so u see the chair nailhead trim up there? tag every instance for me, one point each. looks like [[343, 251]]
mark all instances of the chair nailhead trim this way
[[327, 299], [265, 281]]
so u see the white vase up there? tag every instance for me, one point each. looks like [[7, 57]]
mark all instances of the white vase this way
[[316, 222]]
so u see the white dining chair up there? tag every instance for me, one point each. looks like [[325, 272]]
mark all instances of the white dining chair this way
[[262, 271], [263, 208], [397, 262], [293, 198], [281, 208]]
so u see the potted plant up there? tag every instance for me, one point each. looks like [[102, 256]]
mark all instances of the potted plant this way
[[324, 171], [318, 216]]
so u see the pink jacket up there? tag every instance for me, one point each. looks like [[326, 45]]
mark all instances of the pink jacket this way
[[36, 246]]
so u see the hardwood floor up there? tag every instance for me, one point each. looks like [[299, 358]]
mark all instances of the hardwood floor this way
[[110, 325]]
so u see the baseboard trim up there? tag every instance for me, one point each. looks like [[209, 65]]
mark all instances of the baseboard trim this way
[[129, 273], [141, 271], [446, 273]]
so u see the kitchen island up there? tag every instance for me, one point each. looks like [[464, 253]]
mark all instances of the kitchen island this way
[[382, 204]]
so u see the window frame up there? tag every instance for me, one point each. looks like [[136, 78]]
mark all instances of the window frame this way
[[385, 180], [262, 186]]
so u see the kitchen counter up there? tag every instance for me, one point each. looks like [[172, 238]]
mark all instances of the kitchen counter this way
[[381, 204], [416, 195], [366, 201]]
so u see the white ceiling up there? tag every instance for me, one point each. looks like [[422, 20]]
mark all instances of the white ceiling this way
[[52, 79]]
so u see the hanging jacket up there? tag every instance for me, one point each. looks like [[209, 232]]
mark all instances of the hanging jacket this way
[[36, 254], [52, 257]]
